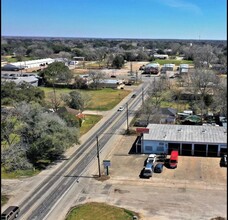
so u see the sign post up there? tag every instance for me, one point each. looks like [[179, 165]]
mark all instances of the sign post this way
[[107, 164]]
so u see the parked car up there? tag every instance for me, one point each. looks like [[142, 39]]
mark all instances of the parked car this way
[[151, 159], [158, 168], [121, 108], [133, 96], [162, 157], [148, 170], [223, 160]]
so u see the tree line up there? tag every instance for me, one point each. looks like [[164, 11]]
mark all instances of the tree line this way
[[113, 52]]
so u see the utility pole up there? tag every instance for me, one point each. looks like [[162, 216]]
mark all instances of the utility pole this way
[[136, 76], [127, 120], [142, 98], [131, 67], [98, 157]]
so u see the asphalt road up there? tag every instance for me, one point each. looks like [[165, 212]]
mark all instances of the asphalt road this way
[[195, 190], [40, 201]]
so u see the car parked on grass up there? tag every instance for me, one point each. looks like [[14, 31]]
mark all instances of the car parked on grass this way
[[158, 168]]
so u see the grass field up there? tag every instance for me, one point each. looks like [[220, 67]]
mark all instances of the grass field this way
[[179, 106], [101, 100], [99, 211], [4, 199], [18, 173], [89, 122], [173, 61]]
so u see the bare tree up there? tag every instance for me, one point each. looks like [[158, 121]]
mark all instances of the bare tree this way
[[97, 77], [204, 56], [203, 85], [220, 98]]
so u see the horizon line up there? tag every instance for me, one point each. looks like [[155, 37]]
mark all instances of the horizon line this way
[[114, 38]]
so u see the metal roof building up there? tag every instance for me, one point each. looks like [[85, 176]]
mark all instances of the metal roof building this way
[[28, 64], [187, 139]]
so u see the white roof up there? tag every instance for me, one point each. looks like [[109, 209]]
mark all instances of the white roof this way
[[184, 65], [111, 81], [153, 65], [186, 133], [29, 62], [169, 65], [29, 79]]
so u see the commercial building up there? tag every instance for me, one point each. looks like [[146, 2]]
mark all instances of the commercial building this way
[[27, 64], [189, 140]]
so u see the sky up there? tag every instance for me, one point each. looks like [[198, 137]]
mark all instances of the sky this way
[[136, 19]]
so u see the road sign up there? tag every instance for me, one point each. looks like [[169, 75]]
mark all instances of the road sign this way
[[106, 163]]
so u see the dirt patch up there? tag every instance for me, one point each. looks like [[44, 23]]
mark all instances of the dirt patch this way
[[102, 178]]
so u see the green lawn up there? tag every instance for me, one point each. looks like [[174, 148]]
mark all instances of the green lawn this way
[[101, 99], [173, 61], [89, 122], [99, 211], [179, 106], [4, 199], [18, 173]]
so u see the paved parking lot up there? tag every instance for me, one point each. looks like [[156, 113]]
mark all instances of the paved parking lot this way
[[196, 189], [202, 169]]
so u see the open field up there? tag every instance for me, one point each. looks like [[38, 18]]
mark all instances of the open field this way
[[89, 122], [102, 99]]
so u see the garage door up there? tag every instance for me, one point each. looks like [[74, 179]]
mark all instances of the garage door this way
[[173, 146], [212, 151], [186, 149], [200, 150], [223, 151]]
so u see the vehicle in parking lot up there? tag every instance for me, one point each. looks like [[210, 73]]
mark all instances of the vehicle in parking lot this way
[[158, 168], [121, 108], [173, 159], [133, 96], [148, 170], [151, 158], [162, 157], [223, 160]]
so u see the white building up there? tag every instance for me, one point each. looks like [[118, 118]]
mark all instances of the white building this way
[[183, 68], [32, 63], [187, 139], [161, 56], [29, 79]]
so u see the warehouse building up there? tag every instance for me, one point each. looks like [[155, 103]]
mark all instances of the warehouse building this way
[[27, 64], [189, 140]]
